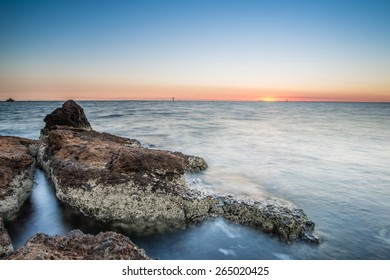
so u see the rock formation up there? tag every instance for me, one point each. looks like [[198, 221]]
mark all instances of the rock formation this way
[[71, 114], [17, 165], [5, 242], [114, 179], [79, 246]]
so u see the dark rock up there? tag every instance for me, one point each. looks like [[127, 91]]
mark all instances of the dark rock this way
[[17, 166], [5, 242], [70, 114], [79, 246]]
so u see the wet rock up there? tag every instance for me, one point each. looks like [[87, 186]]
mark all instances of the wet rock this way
[[17, 166], [114, 179], [5, 242], [279, 218], [79, 246]]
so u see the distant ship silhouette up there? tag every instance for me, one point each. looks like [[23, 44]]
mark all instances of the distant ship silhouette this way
[[10, 100]]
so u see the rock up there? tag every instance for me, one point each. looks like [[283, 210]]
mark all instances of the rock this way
[[5, 242], [70, 114], [79, 246], [17, 166], [114, 179], [270, 216]]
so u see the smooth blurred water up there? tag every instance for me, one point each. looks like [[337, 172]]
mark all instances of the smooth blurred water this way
[[330, 159]]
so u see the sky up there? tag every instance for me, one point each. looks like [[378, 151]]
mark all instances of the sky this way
[[269, 50]]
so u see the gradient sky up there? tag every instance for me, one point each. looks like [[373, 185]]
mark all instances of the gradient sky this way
[[222, 50]]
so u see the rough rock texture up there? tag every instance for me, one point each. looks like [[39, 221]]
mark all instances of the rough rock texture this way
[[5, 242], [71, 114], [114, 179], [17, 165], [280, 218], [79, 246]]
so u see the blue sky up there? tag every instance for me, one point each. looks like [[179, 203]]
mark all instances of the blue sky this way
[[139, 49]]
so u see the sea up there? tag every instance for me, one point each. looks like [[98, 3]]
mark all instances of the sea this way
[[330, 159]]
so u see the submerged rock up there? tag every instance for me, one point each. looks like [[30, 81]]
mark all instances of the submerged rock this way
[[114, 179], [17, 166], [79, 246], [5, 242]]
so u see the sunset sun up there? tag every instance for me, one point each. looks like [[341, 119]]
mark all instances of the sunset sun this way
[[268, 99]]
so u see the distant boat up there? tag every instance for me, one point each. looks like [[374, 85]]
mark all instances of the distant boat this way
[[10, 100]]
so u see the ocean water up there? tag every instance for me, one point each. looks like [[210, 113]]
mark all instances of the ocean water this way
[[330, 159]]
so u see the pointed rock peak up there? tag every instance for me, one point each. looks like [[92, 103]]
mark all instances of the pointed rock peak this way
[[70, 114]]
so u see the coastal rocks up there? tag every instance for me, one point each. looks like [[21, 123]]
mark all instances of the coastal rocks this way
[[116, 180], [17, 165], [282, 219], [5, 242], [79, 246], [70, 114]]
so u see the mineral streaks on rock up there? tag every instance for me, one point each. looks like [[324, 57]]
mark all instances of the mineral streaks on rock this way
[[79, 246], [70, 114], [5, 242], [17, 166]]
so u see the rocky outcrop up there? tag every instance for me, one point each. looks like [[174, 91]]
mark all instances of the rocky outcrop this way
[[17, 165], [5, 242], [276, 217], [116, 180], [79, 246], [70, 114], [113, 179]]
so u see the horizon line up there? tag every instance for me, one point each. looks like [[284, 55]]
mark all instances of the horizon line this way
[[195, 100]]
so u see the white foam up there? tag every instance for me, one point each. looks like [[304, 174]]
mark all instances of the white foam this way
[[227, 252], [222, 226]]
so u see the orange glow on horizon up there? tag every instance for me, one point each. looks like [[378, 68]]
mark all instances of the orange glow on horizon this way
[[268, 99], [179, 92]]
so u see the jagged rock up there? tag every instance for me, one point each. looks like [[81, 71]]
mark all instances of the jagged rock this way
[[70, 114], [276, 217], [114, 179], [79, 246], [17, 165], [5, 242]]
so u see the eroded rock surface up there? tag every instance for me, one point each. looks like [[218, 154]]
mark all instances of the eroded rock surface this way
[[79, 246], [114, 179], [17, 166], [270, 216], [5, 242], [70, 114]]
